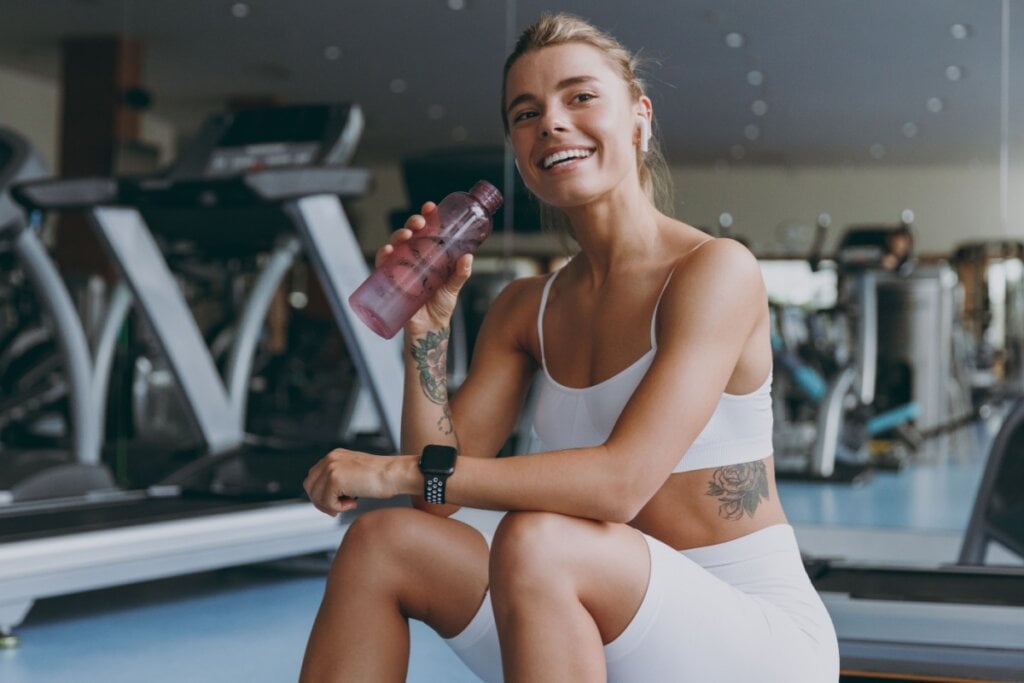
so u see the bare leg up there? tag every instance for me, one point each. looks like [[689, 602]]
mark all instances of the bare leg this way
[[561, 588], [394, 564]]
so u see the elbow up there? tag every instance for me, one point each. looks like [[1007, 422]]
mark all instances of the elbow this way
[[627, 500], [628, 507], [621, 512], [632, 483]]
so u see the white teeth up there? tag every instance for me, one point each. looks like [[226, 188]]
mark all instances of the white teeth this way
[[553, 159]]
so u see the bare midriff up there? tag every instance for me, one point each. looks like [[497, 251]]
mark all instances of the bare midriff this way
[[684, 515]]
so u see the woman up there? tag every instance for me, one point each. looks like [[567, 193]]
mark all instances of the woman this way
[[648, 542]]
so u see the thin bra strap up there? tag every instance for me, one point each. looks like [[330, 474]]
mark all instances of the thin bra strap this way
[[540, 315], [654, 316]]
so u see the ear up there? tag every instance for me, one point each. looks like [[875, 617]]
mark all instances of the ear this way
[[644, 115]]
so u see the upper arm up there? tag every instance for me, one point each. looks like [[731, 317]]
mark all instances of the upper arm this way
[[486, 407], [706, 319]]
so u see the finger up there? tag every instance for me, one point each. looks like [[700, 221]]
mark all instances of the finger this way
[[313, 490], [321, 495], [382, 254], [428, 208], [346, 504], [414, 222], [309, 483], [463, 269], [401, 235], [318, 504]]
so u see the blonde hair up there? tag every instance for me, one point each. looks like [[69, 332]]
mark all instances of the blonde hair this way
[[562, 28]]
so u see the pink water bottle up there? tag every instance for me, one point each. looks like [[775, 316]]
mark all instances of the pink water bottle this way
[[417, 267]]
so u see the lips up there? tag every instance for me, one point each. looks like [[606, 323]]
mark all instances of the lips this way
[[564, 155]]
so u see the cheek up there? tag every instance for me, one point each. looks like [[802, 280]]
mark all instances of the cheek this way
[[517, 144]]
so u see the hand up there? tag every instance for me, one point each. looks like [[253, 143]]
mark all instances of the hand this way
[[342, 476], [438, 310]]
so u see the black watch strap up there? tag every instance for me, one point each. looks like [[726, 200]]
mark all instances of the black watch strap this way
[[437, 464], [433, 488]]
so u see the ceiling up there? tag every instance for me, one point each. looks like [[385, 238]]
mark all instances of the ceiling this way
[[841, 81]]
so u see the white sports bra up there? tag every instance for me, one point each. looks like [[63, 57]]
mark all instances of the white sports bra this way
[[740, 429]]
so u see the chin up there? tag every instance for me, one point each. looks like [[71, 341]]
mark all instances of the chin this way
[[565, 194]]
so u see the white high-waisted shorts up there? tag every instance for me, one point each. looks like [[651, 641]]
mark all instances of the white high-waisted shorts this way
[[737, 611]]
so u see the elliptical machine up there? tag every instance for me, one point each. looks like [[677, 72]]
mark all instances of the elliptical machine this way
[[843, 402]]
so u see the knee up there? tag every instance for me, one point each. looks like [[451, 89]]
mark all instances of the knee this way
[[373, 538], [527, 551]]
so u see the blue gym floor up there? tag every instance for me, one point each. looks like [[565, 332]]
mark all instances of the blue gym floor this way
[[250, 623]]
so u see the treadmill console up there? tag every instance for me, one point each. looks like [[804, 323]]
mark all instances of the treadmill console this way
[[258, 139]]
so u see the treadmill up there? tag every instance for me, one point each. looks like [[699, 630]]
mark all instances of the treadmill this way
[[288, 162], [962, 621], [30, 473]]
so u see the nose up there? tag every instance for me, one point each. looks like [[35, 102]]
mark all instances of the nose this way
[[551, 123]]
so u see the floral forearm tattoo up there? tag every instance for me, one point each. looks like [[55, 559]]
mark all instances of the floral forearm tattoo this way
[[739, 489], [431, 356]]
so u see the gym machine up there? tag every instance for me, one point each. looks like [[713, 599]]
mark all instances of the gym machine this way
[[841, 392], [33, 473], [233, 505], [991, 274], [962, 621]]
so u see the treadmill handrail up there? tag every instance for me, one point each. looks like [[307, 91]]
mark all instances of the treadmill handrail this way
[[262, 187], [296, 183], [67, 194]]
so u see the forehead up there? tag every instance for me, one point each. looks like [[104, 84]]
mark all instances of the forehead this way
[[542, 69]]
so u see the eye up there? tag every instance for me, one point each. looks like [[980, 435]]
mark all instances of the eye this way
[[522, 115], [583, 97]]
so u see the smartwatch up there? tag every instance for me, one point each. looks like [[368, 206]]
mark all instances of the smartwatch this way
[[437, 464]]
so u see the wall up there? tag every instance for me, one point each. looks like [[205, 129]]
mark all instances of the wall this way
[[774, 208], [31, 106]]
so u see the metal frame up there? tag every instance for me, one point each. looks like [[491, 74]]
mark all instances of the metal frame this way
[[83, 561], [35, 569], [981, 531], [338, 261], [88, 372]]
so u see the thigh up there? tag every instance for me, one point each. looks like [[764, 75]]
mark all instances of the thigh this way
[[607, 564], [694, 626]]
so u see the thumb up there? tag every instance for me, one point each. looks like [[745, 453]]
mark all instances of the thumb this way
[[463, 269]]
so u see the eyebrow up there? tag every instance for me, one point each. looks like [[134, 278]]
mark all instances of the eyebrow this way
[[562, 85]]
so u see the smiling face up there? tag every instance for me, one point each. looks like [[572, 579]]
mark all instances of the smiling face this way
[[573, 125]]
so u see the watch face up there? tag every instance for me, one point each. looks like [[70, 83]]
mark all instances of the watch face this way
[[438, 459]]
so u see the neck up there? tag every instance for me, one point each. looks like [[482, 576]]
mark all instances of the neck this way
[[617, 230]]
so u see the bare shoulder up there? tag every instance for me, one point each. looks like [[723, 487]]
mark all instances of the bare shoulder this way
[[513, 312], [717, 285], [520, 297], [718, 263]]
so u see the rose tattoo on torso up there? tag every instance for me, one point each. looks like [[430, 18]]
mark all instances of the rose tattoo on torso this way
[[739, 489]]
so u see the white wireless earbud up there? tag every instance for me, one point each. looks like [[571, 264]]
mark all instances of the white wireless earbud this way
[[516, 162], [645, 134]]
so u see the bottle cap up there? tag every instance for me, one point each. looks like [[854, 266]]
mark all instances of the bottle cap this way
[[488, 195]]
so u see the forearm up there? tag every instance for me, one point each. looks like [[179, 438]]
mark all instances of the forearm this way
[[579, 482], [426, 414]]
